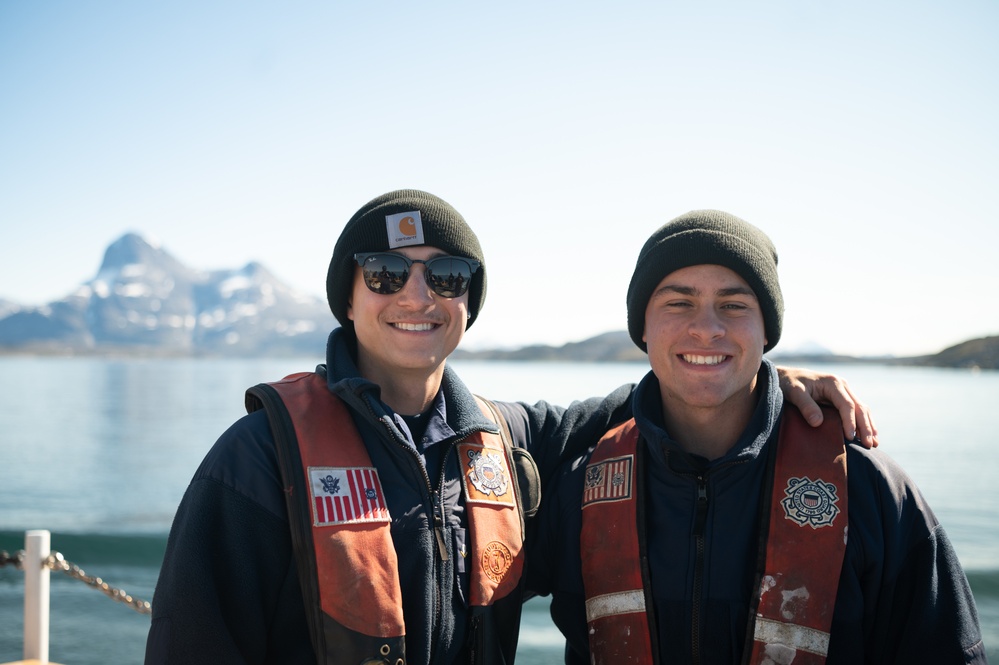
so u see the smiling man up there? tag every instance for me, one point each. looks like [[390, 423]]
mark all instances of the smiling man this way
[[715, 527], [373, 511]]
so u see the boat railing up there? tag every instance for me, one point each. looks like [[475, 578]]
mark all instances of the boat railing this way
[[37, 561]]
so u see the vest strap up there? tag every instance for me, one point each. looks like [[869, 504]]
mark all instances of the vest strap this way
[[792, 636], [609, 545], [350, 615], [611, 604], [492, 499], [806, 543]]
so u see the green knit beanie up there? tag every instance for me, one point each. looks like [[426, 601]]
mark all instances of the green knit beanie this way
[[404, 218], [714, 237]]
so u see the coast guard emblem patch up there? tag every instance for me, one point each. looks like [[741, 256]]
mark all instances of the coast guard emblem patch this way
[[609, 480], [487, 476], [809, 502], [346, 496]]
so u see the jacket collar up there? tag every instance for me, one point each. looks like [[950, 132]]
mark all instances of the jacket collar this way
[[454, 413], [647, 407]]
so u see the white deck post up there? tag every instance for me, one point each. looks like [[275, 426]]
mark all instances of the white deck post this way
[[36, 595]]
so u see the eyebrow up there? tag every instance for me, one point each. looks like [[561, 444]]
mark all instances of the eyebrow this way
[[691, 291]]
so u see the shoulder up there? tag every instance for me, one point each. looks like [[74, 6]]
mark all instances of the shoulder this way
[[885, 503], [875, 469], [244, 459], [517, 420], [567, 482]]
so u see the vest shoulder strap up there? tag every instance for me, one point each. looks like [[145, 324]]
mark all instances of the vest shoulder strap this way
[[339, 521], [616, 602], [805, 545], [495, 517]]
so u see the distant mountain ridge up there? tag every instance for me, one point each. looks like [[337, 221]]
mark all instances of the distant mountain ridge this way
[[143, 300], [617, 346], [613, 346]]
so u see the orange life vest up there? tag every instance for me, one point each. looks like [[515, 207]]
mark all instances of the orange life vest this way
[[806, 541], [341, 525]]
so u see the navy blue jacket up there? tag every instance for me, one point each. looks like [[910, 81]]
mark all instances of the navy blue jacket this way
[[902, 598], [229, 592]]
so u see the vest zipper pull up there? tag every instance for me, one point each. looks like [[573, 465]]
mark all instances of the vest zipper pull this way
[[439, 532]]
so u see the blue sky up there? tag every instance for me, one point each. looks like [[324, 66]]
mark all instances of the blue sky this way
[[861, 136]]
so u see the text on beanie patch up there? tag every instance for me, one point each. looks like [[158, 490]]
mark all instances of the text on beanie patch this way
[[404, 228]]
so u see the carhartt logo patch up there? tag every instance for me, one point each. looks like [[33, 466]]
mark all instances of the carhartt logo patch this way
[[404, 228], [809, 502], [346, 496], [609, 480], [486, 475]]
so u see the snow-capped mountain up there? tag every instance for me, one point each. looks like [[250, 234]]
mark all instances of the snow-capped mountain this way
[[143, 299]]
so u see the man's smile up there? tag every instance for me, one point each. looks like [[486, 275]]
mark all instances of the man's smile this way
[[416, 327], [702, 360]]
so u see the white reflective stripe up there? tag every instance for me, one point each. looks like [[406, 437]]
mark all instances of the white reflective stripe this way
[[791, 635], [610, 604]]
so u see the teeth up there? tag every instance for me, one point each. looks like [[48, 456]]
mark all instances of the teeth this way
[[414, 326], [703, 360]]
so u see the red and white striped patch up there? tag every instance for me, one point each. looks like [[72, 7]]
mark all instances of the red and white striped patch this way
[[346, 496], [609, 480]]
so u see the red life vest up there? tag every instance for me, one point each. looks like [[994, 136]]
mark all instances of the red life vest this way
[[806, 540], [341, 525]]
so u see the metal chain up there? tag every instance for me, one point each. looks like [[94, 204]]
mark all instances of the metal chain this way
[[56, 561], [16, 560]]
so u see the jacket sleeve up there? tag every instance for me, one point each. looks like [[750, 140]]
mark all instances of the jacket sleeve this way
[[935, 618], [553, 560], [227, 591], [917, 604], [554, 434]]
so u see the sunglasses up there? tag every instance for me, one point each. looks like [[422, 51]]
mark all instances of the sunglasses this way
[[386, 272]]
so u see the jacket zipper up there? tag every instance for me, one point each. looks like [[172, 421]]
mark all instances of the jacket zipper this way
[[438, 522], [699, 526], [437, 496], [437, 503]]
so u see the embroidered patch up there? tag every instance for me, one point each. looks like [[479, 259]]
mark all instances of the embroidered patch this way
[[496, 560], [404, 228], [346, 496], [609, 480], [487, 475], [809, 502]]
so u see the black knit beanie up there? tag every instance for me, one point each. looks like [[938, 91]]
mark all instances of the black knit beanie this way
[[404, 218], [708, 236]]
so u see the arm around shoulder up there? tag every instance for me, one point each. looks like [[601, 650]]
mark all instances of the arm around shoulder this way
[[554, 434]]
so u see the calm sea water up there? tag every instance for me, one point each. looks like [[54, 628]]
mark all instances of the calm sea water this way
[[100, 451]]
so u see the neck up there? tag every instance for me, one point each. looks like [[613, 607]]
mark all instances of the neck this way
[[407, 392], [709, 432]]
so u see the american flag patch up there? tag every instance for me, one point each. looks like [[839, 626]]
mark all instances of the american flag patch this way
[[346, 496], [609, 480]]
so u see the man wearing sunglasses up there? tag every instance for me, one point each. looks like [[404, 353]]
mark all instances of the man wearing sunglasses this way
[[715, 526], [373, 511]]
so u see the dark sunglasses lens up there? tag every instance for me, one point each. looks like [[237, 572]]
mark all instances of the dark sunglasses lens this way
[[385, 273], [449, 276]]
